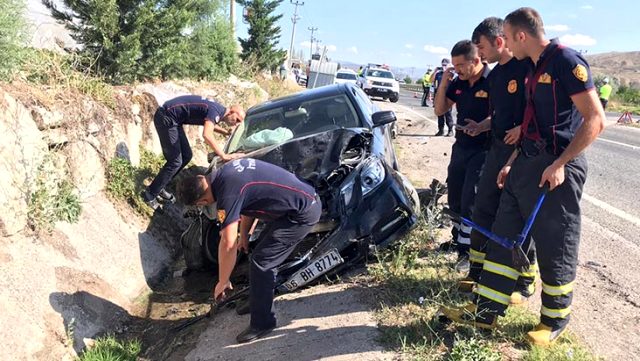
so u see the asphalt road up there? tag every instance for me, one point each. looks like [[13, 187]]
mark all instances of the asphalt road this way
[[606, 310]]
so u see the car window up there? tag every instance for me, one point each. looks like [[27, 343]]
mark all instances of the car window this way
[[349, 76], [278, 125], [380, 74]]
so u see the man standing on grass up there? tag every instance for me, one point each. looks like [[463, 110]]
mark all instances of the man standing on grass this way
[[562, 118], [470, 92], [506, 95]]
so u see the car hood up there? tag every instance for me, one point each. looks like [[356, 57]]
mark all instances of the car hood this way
[[315, 157]]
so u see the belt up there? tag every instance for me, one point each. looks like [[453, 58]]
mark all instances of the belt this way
[[532, 148]]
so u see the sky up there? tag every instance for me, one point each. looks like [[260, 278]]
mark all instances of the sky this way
[[419, 33]]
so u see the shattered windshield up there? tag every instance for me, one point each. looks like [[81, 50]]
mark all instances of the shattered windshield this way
[[294, 120]]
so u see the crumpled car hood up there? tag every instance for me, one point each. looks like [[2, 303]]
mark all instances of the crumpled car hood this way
[[314, 157]]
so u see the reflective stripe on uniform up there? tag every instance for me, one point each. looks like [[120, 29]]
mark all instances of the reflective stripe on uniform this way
[[466, 229], [555, 313], [531, 272], [492, 294], [464, 240], [476, 256], [501, 270], [557, 290]]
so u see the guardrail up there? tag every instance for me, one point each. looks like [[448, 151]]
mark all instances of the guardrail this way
[[412, 87]]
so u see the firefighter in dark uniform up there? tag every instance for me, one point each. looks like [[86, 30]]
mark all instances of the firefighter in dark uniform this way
[[506, 96], [563, 116], [168, 121], [470, 92], [243, 190], [446, 118]]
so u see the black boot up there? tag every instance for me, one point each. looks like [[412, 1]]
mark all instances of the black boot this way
[[250, 334], [440, 132], [450, 133]]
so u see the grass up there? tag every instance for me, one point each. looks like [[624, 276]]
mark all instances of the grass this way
[[413, 281], [54, 198], [110, 349], [125, 182]]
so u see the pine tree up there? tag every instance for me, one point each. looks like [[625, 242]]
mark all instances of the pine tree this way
[[260, 47], [128, 40]]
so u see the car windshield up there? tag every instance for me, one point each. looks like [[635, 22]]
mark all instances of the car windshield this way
[[350, 76], [294, 120], [380, 74]]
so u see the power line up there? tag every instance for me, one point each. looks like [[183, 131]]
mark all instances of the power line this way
[[294, 19]]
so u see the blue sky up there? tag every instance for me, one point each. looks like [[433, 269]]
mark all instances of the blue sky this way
[[418, 33]]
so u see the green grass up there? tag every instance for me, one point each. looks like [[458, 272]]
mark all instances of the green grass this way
[[54, 198], [125, 182], [413, 281], [110, 349]]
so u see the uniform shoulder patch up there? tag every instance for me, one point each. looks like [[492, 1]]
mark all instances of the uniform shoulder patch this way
[[544, 79], [513, 86], [481, 94], [580, 72], [221, 215]]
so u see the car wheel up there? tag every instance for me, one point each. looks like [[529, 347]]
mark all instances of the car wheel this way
[[394, 99], [200, 244]]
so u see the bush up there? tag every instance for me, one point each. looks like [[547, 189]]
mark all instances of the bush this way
[[53, 200], [110, 349], [627, 95], [408, 80], [12, 36], [126, 182]]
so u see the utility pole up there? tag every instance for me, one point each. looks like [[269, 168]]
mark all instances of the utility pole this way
[[294, 19], [312, 29]]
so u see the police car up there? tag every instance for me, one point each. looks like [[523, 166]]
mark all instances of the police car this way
[[379, 82]]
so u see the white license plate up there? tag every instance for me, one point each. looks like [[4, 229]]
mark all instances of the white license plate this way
[[318, 267]]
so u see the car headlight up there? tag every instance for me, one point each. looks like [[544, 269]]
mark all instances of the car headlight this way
[[371, 176]]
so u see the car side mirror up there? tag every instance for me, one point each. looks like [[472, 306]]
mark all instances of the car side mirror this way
[[383, 117]]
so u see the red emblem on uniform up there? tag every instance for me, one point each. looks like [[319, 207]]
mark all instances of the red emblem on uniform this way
[[458, 91]]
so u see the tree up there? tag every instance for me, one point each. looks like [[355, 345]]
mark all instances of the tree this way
[[407, 80], [128, 40], [12, 35], [260, 47]]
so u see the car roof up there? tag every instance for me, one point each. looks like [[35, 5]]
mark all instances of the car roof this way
[[305, 95]]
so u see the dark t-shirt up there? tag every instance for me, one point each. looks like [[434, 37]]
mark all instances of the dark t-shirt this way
[[507, 95], [471, 103], [193, 109], [565, 73], [261, 190]]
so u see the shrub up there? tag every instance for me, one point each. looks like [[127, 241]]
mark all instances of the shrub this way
[[110, 349], [12, 36]]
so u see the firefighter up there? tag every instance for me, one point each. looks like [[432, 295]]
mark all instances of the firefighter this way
[[506, 95], [470, 92], [563, 116]]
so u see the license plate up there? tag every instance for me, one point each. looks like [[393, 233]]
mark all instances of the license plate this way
[[318, 267]]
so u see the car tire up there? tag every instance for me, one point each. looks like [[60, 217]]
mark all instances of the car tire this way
[[200, 244], [394, 99]]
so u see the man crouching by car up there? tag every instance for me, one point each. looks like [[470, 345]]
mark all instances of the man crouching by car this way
[[243, 190]]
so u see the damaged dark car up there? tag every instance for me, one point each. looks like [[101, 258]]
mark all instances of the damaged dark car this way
[[337, 140]]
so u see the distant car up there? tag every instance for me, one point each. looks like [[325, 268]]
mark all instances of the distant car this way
[[379, 82], [346, 76]]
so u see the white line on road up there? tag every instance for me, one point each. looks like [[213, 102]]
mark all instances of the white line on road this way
[[611, 209], [618, 143], [418, 114]]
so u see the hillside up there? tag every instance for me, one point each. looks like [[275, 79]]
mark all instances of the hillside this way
[[622, 66]]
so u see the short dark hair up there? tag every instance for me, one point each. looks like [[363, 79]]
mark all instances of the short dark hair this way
[[527, 20], [190, 189], [465, 48], [490, 28]]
